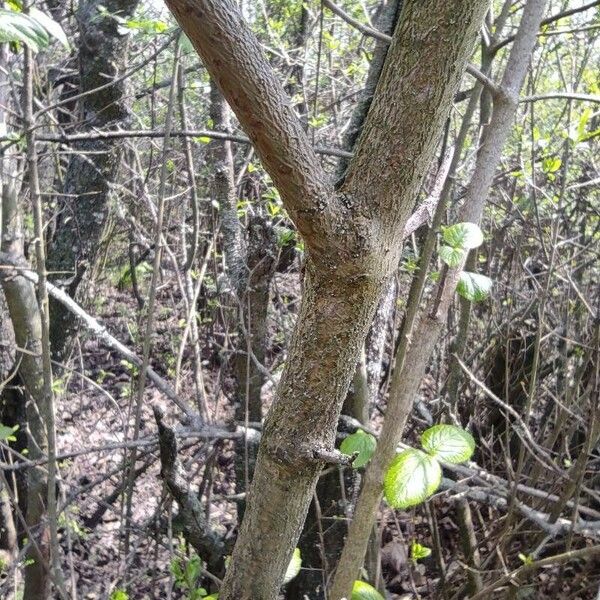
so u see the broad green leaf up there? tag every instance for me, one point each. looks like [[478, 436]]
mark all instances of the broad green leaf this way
[[363, 591], [17, 27], [361, 442], [551, 164], [451, 256], [294, 566], [417, 551], [412, 477], [448, 443], [473, 286], [50, 25], [463, 235], [119, 595]]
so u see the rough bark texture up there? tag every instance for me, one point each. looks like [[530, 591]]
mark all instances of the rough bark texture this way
[[261, 261], [386, 23], [90, 175], [405, 381], [24, 314], [25, 317], [223, 191], [321, 543], [353, 240]]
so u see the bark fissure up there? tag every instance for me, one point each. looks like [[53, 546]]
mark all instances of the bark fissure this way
[[353, 240]]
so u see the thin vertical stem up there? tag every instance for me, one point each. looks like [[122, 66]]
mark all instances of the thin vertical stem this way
[[147, 343], [46, 403]]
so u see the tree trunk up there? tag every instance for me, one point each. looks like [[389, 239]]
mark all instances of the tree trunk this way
[[353, 240], [90, 175], [410, 367], [26, 322]]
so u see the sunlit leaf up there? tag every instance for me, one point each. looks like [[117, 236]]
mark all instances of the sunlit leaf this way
[[17, 27], [448, 443], [418, 551], [411, 478], [451, 256], [551, 164], [463, 235], [294, 566], [473, 286], [51, 26], [361, 590], [34, 29]]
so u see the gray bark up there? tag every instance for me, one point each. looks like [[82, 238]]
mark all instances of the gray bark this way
[[408, 374], [89, 178], [353, 239], [24, 314]]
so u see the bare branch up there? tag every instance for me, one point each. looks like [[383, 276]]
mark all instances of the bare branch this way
[[196, 529], [427, 208], [196, 133], [562, 95], [96, 328], [547, 21], [365, 29], [234, 58], [484, 79]]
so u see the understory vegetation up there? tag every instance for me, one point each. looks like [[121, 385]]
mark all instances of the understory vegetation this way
[[327, 268]]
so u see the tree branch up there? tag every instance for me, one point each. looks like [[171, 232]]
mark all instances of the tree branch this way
[[427, 208], [562, 95], [22, 269], [547, 21], [420, 88], [196, 530], [365, 29], [125, 134], [233, 56]]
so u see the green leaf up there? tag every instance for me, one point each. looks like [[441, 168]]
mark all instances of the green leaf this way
[[7, 433], [51, 26], [463, 235], [361, 442], [448, 443], [411, 478], [551, 164], [176, 569], [294, 566], [34, 29], [473, 286], [363, 591], [119, 595], [17, 27], [526, 559], [417, 551], [451, 256], [202, 139], [192, 571], [150, 26], [577, 132]]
